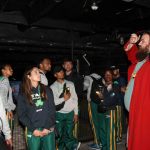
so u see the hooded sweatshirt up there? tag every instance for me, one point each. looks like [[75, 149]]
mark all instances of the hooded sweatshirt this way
[[6, 94], [40, 114], [4, 126]]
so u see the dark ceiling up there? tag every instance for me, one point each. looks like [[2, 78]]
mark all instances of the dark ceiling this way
[[30, 29], [110, 14]]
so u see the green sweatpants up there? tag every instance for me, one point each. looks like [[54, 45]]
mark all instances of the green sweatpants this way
[[46, 142], [65, 125], [76, 125], [76, 129], [110, 130], [97, 121], [118, 123]]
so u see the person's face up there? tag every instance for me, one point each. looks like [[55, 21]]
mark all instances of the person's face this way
[[144, 44], [68, 66], [144, 47], [45, 65], [34, 75], [115, 72], [108, 76], [7, 71], [59, 75]]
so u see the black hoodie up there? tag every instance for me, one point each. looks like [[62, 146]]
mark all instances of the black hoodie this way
[[40, 114]]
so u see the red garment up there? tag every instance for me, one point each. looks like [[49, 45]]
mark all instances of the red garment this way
[[131, 54], [139, 114]]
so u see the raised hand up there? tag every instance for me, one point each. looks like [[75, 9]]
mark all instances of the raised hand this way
[[134, 38]]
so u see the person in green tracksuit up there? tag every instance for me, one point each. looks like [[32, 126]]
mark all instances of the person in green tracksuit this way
[[66, 102], [71, 74], [111, 95], [93, 84], [36, 111], [121, 113]]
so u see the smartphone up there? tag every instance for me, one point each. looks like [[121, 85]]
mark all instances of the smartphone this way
[[67, 89]]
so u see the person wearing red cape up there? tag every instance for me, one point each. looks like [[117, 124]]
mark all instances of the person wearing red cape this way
[[137, 96]]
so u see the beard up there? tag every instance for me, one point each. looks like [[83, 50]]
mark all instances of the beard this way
[[142, 53]]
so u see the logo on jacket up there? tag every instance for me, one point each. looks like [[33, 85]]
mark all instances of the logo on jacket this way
[[37, 100]]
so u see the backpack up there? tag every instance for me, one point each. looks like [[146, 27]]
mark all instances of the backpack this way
[[97, 85]]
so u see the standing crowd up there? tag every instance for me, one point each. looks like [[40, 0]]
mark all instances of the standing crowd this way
[[50, 112]]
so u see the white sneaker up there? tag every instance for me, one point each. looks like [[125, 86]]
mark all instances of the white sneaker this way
[[94, 146], [78, 146]]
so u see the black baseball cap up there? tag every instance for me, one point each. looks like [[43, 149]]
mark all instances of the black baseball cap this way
[[114, 67], [58, 69]]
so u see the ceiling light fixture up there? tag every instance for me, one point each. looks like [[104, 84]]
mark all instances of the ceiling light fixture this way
[[94, 6], [58, 1], [128, 1]]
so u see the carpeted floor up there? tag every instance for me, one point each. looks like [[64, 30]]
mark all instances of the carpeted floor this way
[[18, 136]]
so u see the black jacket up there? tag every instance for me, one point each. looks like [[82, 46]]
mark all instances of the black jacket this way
[[112, 97], [78, 82], [40, 114]]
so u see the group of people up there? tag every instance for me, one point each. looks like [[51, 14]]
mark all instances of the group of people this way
[[43, 110], [105, 107], [50, 113], [135, 99]]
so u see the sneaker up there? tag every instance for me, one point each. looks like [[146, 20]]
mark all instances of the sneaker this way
[[119, 141], [94, 146], [100, 145], [77, 146]]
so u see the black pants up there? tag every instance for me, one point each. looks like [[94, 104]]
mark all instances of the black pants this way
[[2, 143]]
